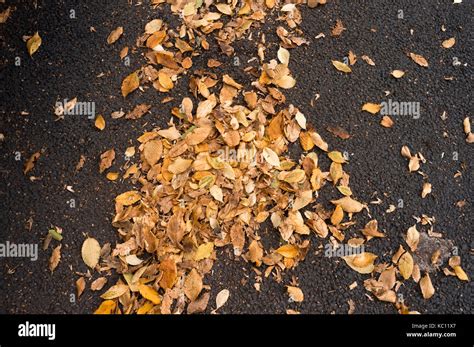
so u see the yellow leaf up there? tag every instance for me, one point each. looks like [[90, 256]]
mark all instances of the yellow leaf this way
[[149, 293], [33, 43], [341, 66], [115, 291], [346, 191], [106, 307], [337, 215], [335, 170], [288, 251], [90, 252], [460, 273], [405, 265], [204, 251], [371, 108], [426, 286], [145, 308], [336, 157], [100, 122], [130, 83], [128, 198]]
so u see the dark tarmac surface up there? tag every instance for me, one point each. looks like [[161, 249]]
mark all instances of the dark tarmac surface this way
[[69, 61]]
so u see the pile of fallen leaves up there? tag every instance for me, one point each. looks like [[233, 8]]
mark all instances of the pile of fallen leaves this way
[[221, 169]]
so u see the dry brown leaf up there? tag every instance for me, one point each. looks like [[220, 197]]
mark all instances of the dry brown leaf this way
[[55, 258], [338, 28], [449, 43], [295, 293], [426, 190], [386, 122], [30, 163], [114, 35], [106, 160], [128, 198], [99, 283], [420, 60], [193, 285], [80, 286]]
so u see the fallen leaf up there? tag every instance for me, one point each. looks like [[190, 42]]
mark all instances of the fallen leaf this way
[[80, 286], [405, 265], [30, 163], [271, 157], [348, 204], [338, 28], [397, 73], [372, 108], [33, 43], [99, 122], [106, 307], [199, 305], [413, 238], [98, 284], [128, 198], [386, 122], [420, 60], [295, 293], [341, 66], [288, 251], [283, 56], [193, 285], [90, 252], [55, 258], [115, 291], [427, 289], [130, 83], [222, 298], [449, 43], [149, 293], [426, 190], [362, 263], [106, 160], [114, 35], [204, 251]]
